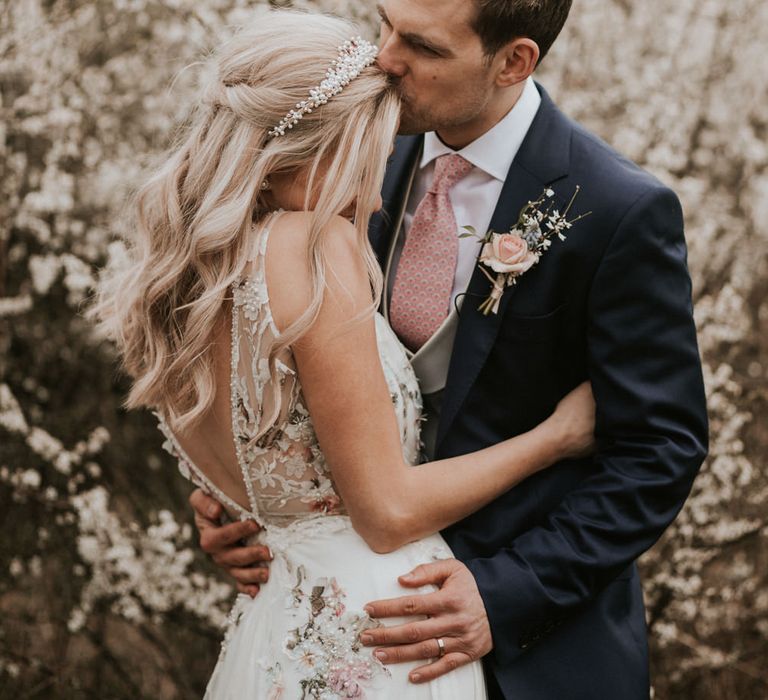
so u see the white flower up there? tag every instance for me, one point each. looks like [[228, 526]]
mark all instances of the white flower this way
[[12, 669], [16, 568], [76, 620], [36, 566], [89, 548], [78, 278], [44, 270], [11, 416], [15, 306], [44, 444], [31, 478]]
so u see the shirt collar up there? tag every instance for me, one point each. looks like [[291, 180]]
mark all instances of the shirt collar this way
[[494, 151]]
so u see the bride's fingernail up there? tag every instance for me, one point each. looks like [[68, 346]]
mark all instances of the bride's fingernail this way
[[408, 577], [368, 610], [381, 655], [415, 677], [366, 639]]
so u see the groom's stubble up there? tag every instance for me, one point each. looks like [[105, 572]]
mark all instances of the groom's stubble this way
[[418, 118]]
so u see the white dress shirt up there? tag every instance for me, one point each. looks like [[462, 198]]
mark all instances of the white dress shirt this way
[[474, 200]]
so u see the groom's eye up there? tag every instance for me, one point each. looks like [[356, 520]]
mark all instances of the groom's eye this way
[[425, 49]]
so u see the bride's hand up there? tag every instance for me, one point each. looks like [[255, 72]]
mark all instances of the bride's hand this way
[[574, 421]]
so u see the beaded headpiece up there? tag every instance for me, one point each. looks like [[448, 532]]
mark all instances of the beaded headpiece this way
[[354, 55]]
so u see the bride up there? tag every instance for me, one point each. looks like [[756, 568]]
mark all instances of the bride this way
[[247, 320]]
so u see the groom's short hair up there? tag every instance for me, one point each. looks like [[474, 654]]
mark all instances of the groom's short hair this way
[[497, 22]]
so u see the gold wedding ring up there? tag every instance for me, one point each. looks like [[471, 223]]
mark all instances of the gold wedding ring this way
[[441, 647]]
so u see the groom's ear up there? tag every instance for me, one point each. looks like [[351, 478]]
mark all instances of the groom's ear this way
[[516, 61]]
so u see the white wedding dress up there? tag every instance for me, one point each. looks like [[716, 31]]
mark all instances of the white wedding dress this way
[[299, 637]]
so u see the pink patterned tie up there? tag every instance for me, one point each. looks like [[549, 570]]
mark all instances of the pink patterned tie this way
[[421, 294]]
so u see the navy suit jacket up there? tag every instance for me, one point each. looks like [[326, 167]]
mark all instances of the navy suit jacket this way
[[554, 557]]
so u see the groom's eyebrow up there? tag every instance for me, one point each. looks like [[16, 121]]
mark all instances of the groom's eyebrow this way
[[415, 39]]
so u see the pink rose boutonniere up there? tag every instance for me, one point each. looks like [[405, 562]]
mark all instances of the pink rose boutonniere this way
[[512, 254]]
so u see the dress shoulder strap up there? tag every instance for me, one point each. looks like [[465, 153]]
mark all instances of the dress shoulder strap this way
[[261, 232]]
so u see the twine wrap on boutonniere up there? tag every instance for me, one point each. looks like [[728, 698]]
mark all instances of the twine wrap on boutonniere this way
[[512, 254]]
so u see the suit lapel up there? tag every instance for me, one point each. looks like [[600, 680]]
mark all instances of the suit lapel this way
[[543, 158]]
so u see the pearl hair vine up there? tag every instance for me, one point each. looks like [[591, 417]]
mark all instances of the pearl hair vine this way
[[354, 55]]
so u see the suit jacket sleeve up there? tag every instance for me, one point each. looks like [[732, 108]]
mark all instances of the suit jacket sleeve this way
[[651, 429]]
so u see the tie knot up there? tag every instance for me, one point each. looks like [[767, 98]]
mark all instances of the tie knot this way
[[449, 169]]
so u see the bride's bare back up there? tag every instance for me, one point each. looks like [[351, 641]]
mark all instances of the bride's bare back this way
[[256, 447]]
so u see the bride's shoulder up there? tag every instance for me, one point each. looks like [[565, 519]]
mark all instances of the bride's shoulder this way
[[289, 266], [290, 245], [291, 234]]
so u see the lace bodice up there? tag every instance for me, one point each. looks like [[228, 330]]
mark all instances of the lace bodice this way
[[284, 470]]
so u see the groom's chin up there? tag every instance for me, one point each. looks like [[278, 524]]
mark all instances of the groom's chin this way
[[410, 124], [411, 128]]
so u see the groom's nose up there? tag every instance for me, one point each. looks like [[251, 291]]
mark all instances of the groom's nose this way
[[389, 57]]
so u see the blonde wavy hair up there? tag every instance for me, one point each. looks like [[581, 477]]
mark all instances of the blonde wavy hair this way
[[194, 218]]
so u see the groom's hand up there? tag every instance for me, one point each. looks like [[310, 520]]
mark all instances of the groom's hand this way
[[455, 613], [246, 564]]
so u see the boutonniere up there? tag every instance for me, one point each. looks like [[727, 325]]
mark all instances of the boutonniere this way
[[511, 254]]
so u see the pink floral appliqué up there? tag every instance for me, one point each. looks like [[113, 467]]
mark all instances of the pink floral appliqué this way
[[328, 643]]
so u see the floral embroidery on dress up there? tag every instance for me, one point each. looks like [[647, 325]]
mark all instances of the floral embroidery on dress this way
[[275, 440], [274, 676], [246, 294], [327, 504], [328, 643]]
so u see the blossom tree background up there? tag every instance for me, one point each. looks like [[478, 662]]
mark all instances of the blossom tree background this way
[[103, 592]]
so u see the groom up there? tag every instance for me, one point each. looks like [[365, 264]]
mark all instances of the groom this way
[[544, 586]]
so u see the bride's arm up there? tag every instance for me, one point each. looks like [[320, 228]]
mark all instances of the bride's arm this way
[[391, 503]]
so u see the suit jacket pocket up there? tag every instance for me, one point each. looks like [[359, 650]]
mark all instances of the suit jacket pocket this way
[[532, 329]]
